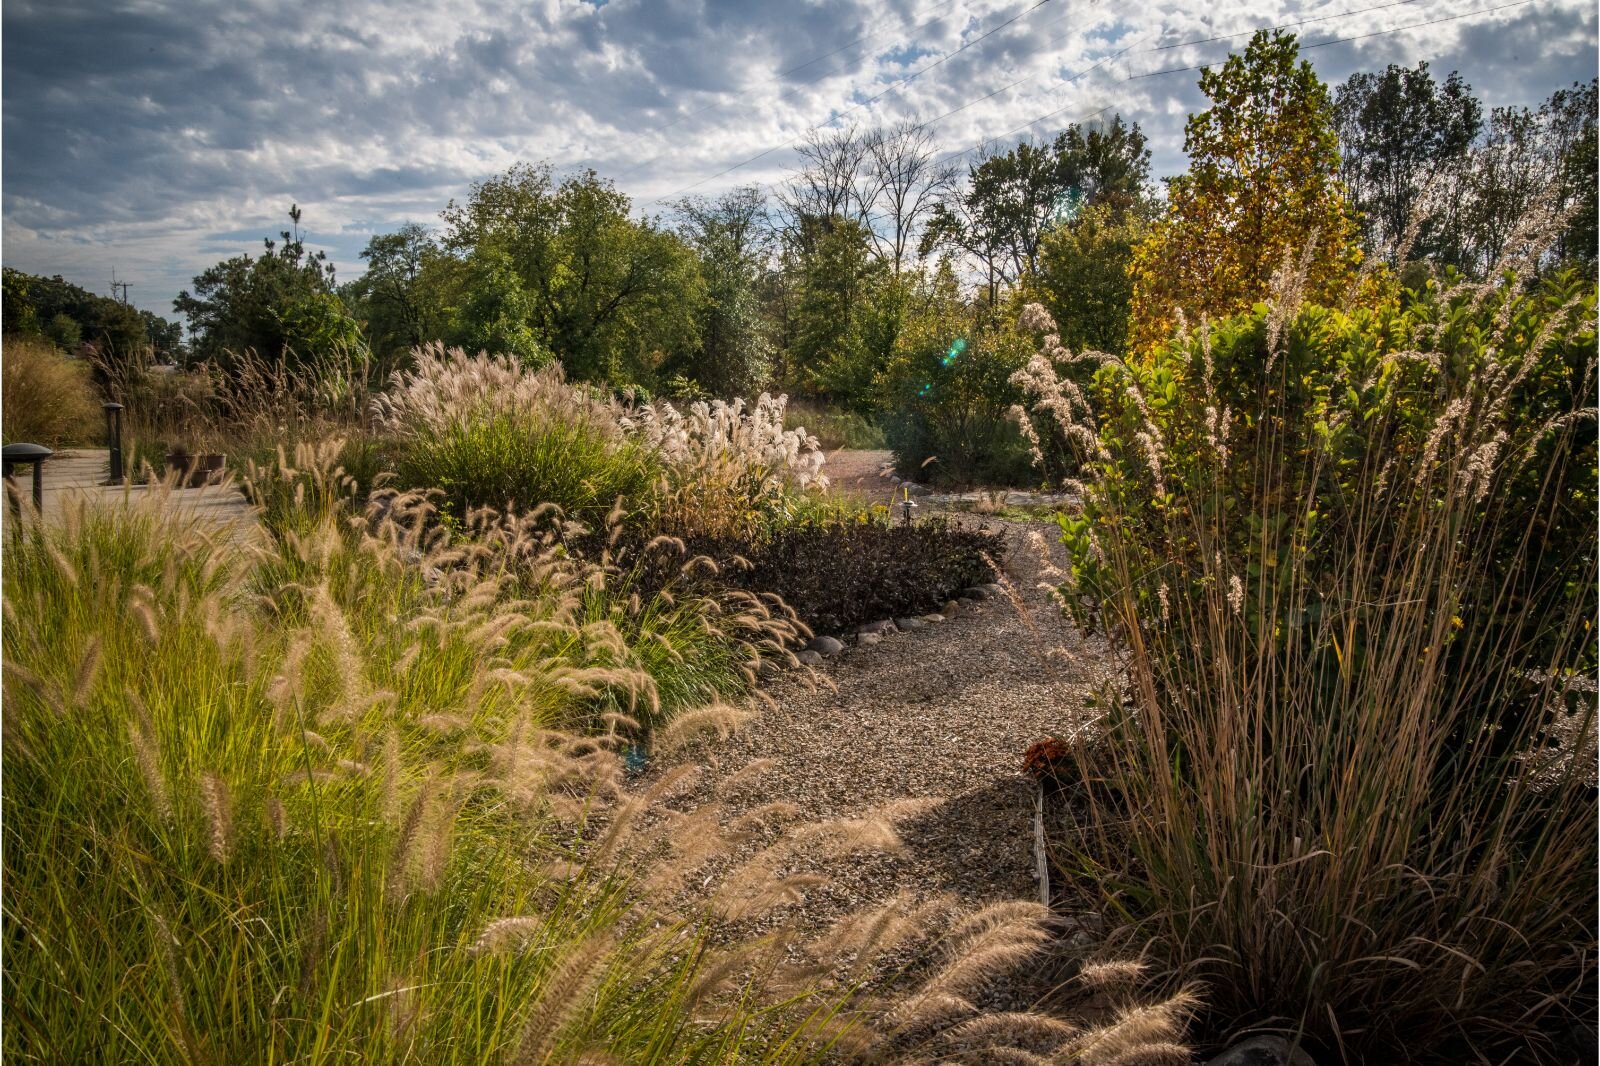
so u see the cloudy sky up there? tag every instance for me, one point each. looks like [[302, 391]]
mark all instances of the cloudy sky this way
[[154, 138]]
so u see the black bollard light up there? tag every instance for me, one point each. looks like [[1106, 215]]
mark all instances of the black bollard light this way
[[114, 439], [12, 454]]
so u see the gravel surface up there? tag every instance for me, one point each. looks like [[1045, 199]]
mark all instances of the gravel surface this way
[[860, 473], [927, 727]]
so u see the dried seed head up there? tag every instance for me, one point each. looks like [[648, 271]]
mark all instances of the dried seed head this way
[[219, 814]]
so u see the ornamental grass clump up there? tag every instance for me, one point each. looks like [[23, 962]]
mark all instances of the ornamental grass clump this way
[[48, 397], [349, 793], [248, 817], [1348, 557], [731, 470], [489, 432]]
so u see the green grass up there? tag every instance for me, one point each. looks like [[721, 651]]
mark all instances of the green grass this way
[[505, 461]]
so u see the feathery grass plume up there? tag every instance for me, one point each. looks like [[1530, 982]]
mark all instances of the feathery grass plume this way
[[990, 953], [696, 837], [167, 942], [563, 995], [865, 936], [219, 815], [1156, 1053], [1018, 1029], [924, 1010], [277, 819], [88, 671], [509, 934], [144, 754], [145, 615], [765, 816], [839, 837], [719, 718], [1133, 1031], [435, 841], [406, 837], [1004, 1056], [746, 895], [1112, 974], [1005, 914], [718, 976]]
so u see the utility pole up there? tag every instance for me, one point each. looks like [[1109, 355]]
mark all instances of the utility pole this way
[[115, 285]]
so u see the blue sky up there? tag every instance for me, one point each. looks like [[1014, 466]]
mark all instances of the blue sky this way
[[155, 137]]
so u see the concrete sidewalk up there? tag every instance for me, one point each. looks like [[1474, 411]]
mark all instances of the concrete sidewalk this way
[[79, 474]]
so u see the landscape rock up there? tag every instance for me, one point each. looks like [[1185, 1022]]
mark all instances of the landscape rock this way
[[908, 624], [883, 625], [933, 618], [826, 645], [915, 489], [1263, 1051], [950, 609], [809, 658], [867, 640], [996, 592], [976, 594]]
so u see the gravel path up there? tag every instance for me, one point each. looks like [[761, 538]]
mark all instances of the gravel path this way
[[861, 473], [929, 725]]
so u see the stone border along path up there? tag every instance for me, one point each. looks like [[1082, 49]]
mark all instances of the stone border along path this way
[[928, 725], [75, 474]]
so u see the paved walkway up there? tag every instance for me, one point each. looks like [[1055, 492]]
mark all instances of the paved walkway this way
[[77, 475]]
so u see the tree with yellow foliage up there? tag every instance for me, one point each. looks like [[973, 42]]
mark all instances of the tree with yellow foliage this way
[[1262, 186]]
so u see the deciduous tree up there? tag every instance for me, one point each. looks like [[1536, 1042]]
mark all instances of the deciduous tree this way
[[1399, 132], [610, 295], [1261, 192]]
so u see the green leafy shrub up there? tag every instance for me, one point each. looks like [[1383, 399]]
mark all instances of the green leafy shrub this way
[[1351, 557], [947, 396], [49, 399]]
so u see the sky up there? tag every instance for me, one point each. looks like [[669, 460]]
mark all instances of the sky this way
[[155, 138]]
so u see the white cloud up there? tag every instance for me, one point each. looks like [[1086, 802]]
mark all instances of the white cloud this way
[[162, 136]]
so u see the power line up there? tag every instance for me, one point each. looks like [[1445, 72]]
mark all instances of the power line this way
[[1280, 26], [1359, 36]]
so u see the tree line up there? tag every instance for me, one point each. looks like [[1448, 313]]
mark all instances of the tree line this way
[[812, 287]]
